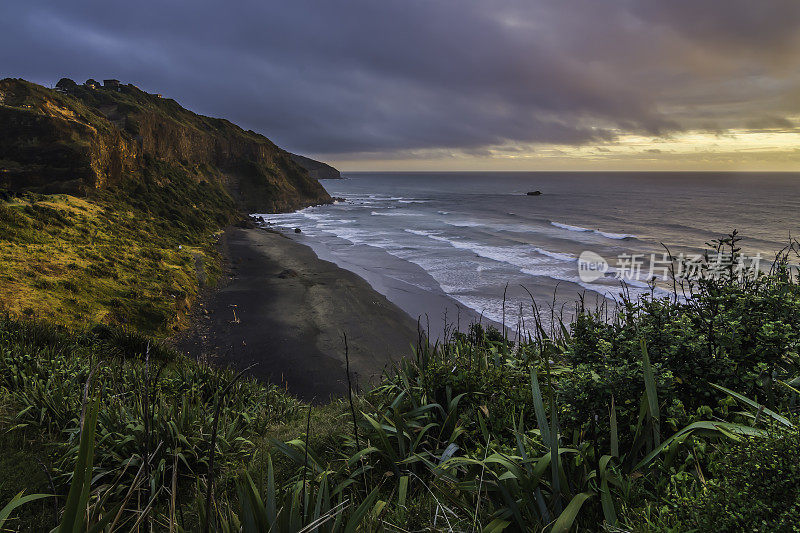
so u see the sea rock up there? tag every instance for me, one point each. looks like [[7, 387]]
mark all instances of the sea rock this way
[[245, 222], [534, 193], [297, 230]]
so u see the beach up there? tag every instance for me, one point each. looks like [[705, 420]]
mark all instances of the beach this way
[[444, 252], [479, 240], [285, 311]]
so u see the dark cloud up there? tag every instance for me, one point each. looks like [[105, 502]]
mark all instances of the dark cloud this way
[[365, 77], [770, 123]]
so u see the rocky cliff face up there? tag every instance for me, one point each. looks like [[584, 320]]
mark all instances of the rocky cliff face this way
[[317, 169], [78, 139]]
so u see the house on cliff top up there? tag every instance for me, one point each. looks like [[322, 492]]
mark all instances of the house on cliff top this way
[[112, 84]]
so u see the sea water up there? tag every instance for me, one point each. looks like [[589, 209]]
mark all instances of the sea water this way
[[479, 239]]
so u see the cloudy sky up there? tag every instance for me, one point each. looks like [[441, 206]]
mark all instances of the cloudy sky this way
[[451, 84]]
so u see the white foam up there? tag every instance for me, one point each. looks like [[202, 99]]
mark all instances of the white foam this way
[[515, 256], [617, 236], [520, 255], [607, 287], [465, 224], [419, 232], [607, 235], [514, 228], [395, 214], [386, 198], [556, 255], [569, 227]]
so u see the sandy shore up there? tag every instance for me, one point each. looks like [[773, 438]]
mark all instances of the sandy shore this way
[[285, 310]]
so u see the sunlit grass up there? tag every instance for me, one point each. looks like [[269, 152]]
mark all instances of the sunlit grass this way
[[77, 262]]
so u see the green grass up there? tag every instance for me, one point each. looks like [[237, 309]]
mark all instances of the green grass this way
[[25, 465], [136, 256], [649, 422], [153, 403]]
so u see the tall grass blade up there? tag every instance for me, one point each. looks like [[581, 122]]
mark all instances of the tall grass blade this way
[[402, 492], [555, 457], [567, 518], [271, 500], [355, 519], [609, 512], [705, 428], [18, 501], [538, 407], [73, 519], [772, 414], [614, 430], [650, 389]]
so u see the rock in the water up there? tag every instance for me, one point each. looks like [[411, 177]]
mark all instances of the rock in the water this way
[[297, 230], [534, 193]]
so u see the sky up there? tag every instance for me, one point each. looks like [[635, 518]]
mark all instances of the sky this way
[[451, 84]]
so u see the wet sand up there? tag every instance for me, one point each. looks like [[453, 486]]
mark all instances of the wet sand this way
[[285, 310]]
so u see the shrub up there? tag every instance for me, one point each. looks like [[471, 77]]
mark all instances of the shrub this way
[[753, 485]]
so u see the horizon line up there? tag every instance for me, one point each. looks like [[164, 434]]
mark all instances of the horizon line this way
[[565, 171]]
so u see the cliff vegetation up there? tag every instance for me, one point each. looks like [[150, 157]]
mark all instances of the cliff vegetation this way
[[671, 416], [81, 138], [111, 199]]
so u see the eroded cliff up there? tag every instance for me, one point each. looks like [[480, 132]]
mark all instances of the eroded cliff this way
[[80, 138]]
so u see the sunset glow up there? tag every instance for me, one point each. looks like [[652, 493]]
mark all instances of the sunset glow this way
[[446, 85]]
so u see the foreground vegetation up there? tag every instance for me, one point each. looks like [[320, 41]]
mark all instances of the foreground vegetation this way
[[675, 415]]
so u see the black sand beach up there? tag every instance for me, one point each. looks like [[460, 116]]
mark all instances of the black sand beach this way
[[285, 310]]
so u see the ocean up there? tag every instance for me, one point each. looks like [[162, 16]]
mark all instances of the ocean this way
[[475, 243]]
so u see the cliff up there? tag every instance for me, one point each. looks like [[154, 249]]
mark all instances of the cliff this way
[[80, 138], [317, 169]]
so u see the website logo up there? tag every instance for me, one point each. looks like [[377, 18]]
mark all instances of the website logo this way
[[591, 266]]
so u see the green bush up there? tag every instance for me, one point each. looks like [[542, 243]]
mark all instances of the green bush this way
[[741, 334], [752, 485], [476, 433]]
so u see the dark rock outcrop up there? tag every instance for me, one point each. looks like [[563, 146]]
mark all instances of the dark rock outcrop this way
[[77, 139], [317, 169]]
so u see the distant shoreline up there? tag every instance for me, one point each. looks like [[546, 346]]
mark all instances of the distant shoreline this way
[[437, 312], [290, 311]]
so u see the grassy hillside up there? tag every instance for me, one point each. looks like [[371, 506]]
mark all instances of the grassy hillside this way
[[672, 416], [133, 256], [110, 200]]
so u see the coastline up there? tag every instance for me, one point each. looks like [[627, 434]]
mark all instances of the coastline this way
[[437, 313], [284, 309]]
